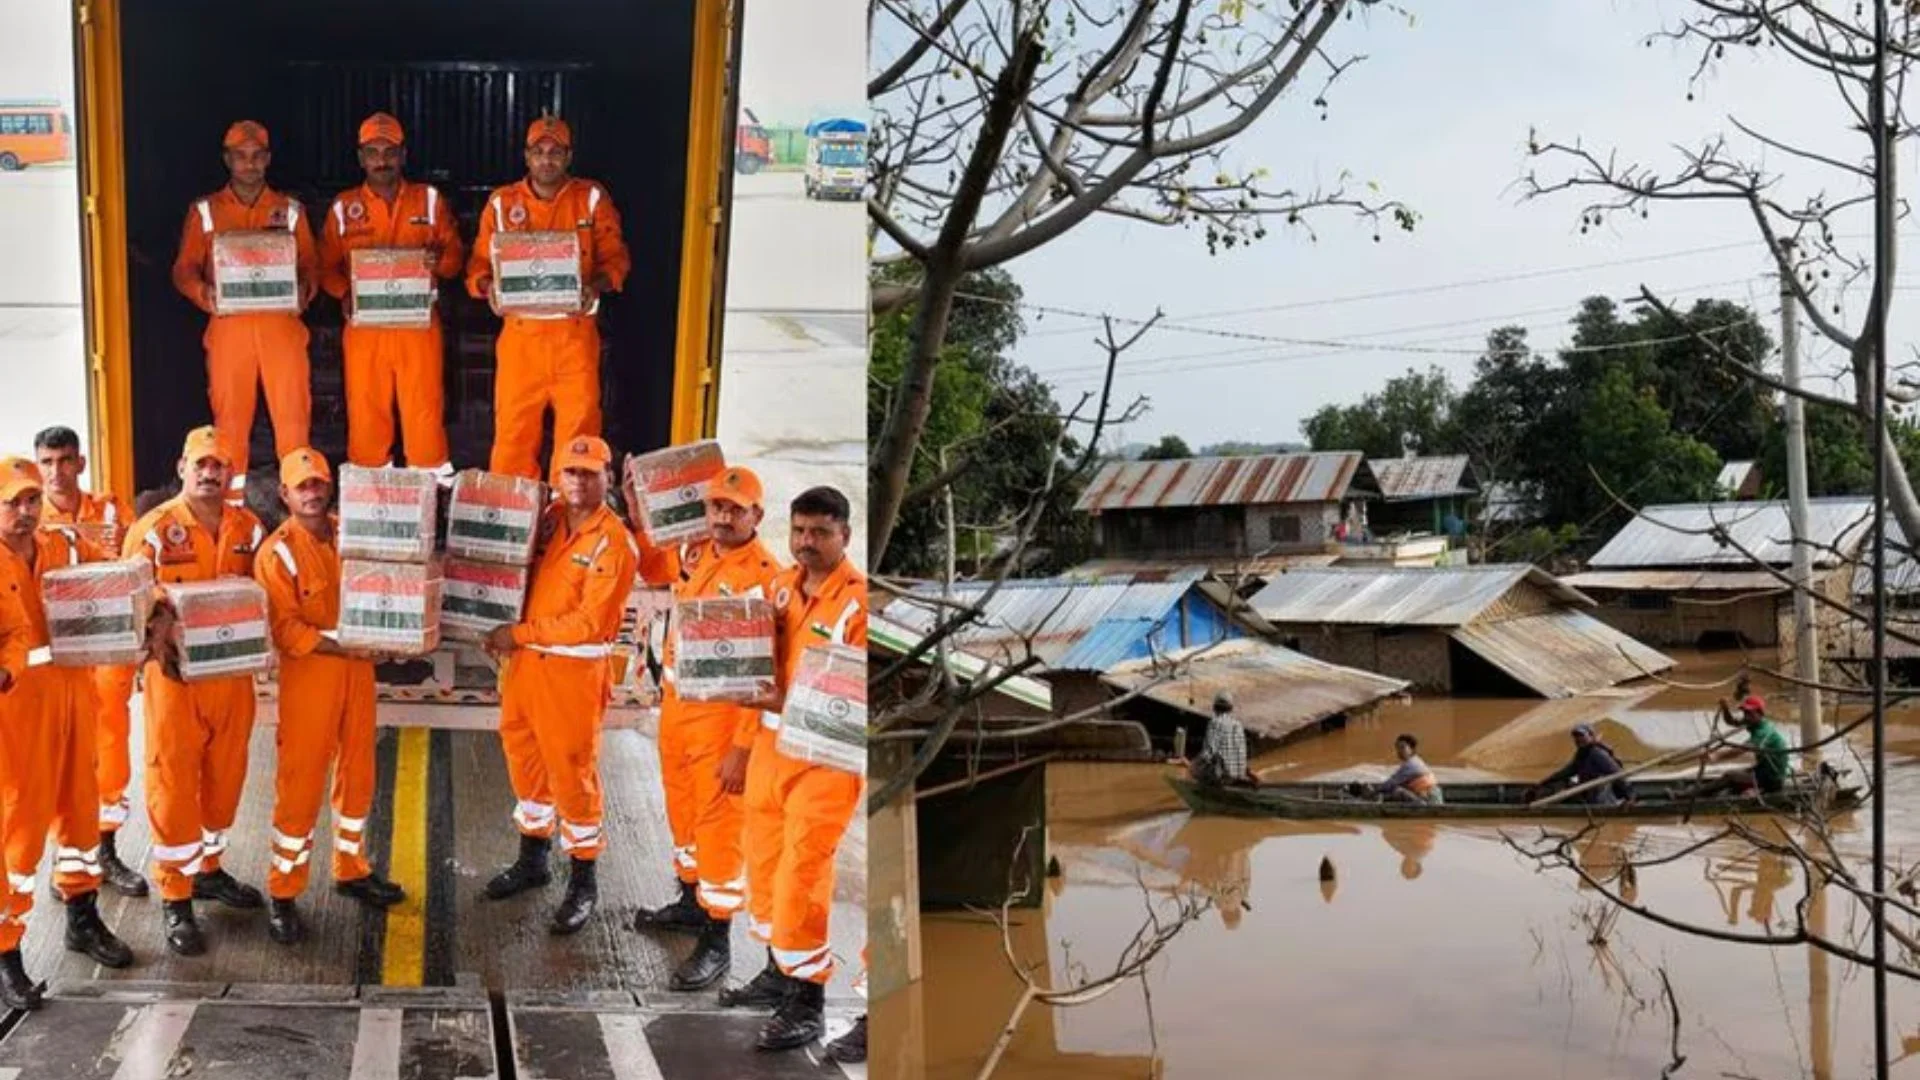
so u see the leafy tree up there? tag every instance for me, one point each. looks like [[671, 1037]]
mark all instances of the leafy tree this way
[[1411, 412], [1628, 441], [1169, 448]]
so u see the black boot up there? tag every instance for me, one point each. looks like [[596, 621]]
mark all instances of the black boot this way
[[16, 990], [711, 958], [372, 890], [87, 934], [224, 887], [767, 989], [124, 879], [683, 914], [529, 871], [183, 933], [800, 1020], [851, 1048], [284, 924], [583, 895]]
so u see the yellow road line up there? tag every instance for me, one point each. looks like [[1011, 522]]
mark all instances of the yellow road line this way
[[403, 959]]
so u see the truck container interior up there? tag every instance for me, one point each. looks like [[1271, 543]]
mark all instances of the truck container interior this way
[[465, 80]]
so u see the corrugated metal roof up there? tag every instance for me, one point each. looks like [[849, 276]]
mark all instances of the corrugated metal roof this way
[[1559, 654], [1424, 477], [1676, 535], [1398, 596], [1276, 691], [1246, 570], [1678, 581], [1058, 615], [900, 641], [1227, 481]]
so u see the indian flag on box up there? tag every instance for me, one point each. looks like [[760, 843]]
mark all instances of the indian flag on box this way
[[670, 488], [222, 628], [537, 271], [480, 596], [255, 270], [97, 612], [390, 607], [723, 649], [387, 513], [825, 718], [391, 287], [494, 518]]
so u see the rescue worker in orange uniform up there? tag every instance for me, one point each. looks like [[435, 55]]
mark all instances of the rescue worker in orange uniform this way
[[796, 811], [548, 360], [703, 768], [17, 991], [46, 748], [385, 363], [327, 703], [255, 349], [106, 521], [557, 681], [196, 733]]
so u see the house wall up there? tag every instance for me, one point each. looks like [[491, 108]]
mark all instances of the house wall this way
[[1418, 655], [1214, 531], [1684, 617]]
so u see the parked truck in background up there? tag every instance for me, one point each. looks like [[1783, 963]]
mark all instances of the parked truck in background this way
[[836, 159], [752, 146]]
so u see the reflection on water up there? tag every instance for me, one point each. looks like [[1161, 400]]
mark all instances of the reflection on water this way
[[1436, 950]]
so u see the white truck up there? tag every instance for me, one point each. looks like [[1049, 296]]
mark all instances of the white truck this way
[[836, 159]]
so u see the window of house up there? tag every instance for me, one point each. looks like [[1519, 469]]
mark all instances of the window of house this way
[[1283, 529]]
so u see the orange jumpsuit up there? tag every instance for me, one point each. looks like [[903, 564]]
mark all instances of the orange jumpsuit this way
[[326, 708], [247, 351], [112, 685], [547, 361], [797, 811], [196, 732], [385, 363], [556, 686], [695, 735], [47, 747]]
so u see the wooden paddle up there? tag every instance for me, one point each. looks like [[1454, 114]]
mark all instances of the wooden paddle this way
[[1589, 785]]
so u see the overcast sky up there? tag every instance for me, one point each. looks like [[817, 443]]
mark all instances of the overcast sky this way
[[1438, 115]]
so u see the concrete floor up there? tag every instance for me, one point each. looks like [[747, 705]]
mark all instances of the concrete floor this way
[[440, 828]]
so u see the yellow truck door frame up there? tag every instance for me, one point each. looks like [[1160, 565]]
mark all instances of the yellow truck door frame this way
[[104, 235]]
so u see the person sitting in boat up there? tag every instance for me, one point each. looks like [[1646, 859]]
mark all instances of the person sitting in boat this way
[[1412, 782], [1223, 760], [1768, 776], [1592, 759]]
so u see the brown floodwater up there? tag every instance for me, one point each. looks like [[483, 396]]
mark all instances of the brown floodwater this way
[[1437, 951]]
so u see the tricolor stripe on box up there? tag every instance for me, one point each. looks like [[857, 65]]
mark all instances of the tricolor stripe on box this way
[[391, 287], [537, 270], [494, 518], [479, 597]]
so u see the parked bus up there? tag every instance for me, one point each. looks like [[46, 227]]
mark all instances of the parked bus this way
[[34, 133]]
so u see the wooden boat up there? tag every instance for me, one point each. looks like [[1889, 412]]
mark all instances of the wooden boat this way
[[1652, 799]]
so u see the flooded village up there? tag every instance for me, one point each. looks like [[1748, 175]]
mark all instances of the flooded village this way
[[1335, 943]]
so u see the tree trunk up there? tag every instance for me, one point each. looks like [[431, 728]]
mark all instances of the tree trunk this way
[[899, 440]]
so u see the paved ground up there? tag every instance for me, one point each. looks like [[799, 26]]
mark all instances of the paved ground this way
[[440, 828]]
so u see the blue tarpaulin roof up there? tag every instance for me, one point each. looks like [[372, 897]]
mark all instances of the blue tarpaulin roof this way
[[838, 126]]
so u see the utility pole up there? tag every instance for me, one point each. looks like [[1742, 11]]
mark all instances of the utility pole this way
[[1806, 636]]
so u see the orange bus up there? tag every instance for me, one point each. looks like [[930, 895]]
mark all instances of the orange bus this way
[[33, 133]]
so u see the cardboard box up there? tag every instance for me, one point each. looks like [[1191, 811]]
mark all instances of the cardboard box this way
[[388, 515], [494, 518], [825, 719], [390, 608], [256, 270], [723, 649], [537, 273], [391, 287], [222, 628], [97, 612], [479, 596], [667, 490]]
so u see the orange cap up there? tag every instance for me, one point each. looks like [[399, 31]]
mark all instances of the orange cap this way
[[17, 477], [550, 127], [381, 127], [243, 132], [738, 485], [302, 465], [584, 452], [205, 442]]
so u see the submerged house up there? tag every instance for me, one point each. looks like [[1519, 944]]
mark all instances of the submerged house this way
[[1711, 575], [1173, 644], [1500, 630], [1423, 494], [1226, 512]]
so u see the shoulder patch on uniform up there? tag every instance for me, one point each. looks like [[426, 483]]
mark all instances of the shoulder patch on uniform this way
[[517, 215]]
